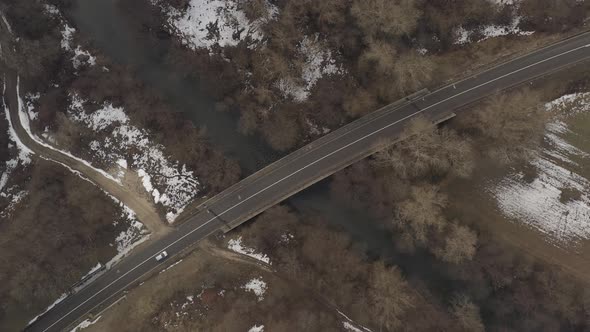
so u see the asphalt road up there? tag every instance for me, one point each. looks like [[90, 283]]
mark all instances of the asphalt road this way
[[307, 166]]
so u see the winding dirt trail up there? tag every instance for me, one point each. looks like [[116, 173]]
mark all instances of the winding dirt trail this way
[[144, 210]]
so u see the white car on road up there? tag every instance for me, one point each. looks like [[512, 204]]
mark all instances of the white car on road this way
[[161, 256]]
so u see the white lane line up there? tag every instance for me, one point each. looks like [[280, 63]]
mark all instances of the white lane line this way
[[317, 161]]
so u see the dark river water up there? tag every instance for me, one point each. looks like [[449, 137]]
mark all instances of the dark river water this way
[[122, 39], [126, 43]]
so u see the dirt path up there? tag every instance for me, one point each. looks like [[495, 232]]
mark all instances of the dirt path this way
[[145, 211]]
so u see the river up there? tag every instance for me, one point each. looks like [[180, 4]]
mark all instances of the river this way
[[110, 30]]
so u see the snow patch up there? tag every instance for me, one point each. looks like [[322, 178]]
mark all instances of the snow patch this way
[[84, 324], [122, 163], [505, 2], [51, 10], [6, 23], [22, 159], [256, 328], [169, 183], [349, 326], [286, 238], [24, 152], [128, 237], [570, 104], [318, 61], [124, 250], [538, 203], [61, 298], [81, 57], [464, 36], [256, 286], [171, 266], [100, 119], [30, 99], [209, 23], [236, 245], [67, 35], [92, 270], [25, 122]]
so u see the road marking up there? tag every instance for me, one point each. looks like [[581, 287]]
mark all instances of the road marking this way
[[308, 165]]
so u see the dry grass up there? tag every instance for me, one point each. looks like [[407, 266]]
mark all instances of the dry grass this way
[[215, 269], [483, 212]]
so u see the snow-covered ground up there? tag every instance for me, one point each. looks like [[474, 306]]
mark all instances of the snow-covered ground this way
[[236, 245], [479, 34], [505, 2], [348, 325], [208, 23], [119, 145], [122, 147], [21, 159], [257, 328], [318, 61], [465, 36], [61, 298], [171, 266], [538, 203], [80, 57], [84, 324], [256, 286]]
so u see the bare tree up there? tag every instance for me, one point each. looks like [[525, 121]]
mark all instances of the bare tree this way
[[388, 295], [359, 103], [467, 314], [459, 244], [254, 9], [68, 132], [411, 71], [508, 126], [270, 229], [386, 17], [422, 211], [281, 131], [426, 151], [378, 58]]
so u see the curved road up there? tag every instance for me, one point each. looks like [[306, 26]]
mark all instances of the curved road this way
[[305, 167]]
